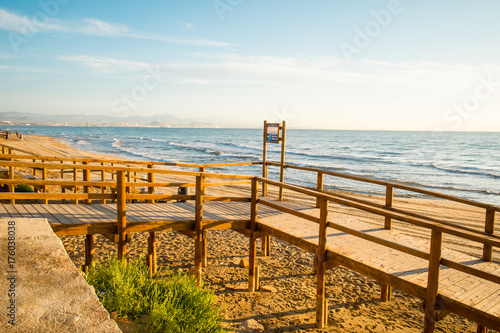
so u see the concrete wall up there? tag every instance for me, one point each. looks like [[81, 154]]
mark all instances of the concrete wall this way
[[40, 288]]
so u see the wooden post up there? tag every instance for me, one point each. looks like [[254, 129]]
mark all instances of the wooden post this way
[[62, 170], [386, 291], [75, 178], [252, 253], [86, 178], [319, 186], [127, 188], [204, 261], [481, 329], [325, 314], [320, 269], [89, 251], [34, 169], [121, 214], [264, 161], [433, 281], [44, 187], [112, 173], [257, 278], [203, 245], [489, 228], [152, 253], [265, 246], [198, 253], [282, 167], [389, 193], [103, 179], [11, 186], [151, 179], [253, 227]]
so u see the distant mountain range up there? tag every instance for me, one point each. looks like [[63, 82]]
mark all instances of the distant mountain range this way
[[102, 120]]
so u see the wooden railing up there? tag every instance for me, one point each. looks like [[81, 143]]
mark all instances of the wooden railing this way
[[490, 210], [437, 228], [123, 183], [124, 179]]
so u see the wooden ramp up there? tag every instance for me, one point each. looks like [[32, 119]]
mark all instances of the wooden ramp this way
[[70, 219], [464, 294], [461, 293], [447, 281]]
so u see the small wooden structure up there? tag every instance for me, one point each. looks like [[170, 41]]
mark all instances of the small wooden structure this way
[[446, 280]]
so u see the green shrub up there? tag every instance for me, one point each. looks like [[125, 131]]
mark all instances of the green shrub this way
[[174, 304], [24, 188]]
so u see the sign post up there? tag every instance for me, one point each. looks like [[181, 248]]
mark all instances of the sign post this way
[[274, 133]]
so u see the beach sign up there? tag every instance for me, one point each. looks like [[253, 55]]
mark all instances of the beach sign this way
[[272, 133]]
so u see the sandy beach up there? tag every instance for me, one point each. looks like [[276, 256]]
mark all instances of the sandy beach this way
[[286, 303]]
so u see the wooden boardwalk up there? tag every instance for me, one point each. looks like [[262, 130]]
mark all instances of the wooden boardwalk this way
[[461, 293], [447, 281], [70, 219]]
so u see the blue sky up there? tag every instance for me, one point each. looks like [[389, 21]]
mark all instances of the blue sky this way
[[382, 65]]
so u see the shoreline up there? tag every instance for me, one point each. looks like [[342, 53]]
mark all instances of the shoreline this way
[[354, 302]]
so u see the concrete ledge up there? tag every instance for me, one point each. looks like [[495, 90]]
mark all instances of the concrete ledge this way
[[40, 288]]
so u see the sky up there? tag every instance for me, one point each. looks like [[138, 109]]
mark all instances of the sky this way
[[363, 65]]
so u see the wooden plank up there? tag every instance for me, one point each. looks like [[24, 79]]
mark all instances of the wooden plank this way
[[97, 215], [22, 211], [39, 208], [491, 304], [12, 211], [3, 212], [160, 226], [77, 214], [60, 217], [145, 212], [33, 212]]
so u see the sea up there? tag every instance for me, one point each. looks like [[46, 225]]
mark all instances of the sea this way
[[463, 164]]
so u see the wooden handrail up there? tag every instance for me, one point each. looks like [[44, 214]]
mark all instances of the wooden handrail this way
[[394, 185], [436, 230], [119, 168], [132, 162], [470, 235], [55, 196]]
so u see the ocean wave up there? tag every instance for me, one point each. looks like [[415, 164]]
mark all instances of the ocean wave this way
[[239, 145], [118, 145], [81, 142], [455, 189], [211, 149], [467, 170]]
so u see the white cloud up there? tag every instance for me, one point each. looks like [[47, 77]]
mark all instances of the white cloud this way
[[25, 69], [100, 28], [25, 25], [189, 26], [107, 65]]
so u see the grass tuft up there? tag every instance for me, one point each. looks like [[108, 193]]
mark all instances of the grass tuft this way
[[173, 304], [24, 188]]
